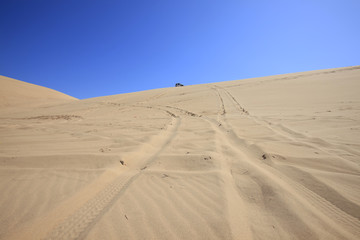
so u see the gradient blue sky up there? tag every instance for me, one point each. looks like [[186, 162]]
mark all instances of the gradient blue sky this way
[[88, 48]]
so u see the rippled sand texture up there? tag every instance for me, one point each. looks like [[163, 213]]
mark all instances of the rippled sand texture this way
[[267, 158]]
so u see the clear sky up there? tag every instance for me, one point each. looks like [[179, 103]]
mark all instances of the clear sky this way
[[88, 48]]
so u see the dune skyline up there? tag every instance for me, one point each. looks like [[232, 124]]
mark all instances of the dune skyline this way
[[274, 157]]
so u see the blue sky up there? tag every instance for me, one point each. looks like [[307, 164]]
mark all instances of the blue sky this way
[[88, 48]]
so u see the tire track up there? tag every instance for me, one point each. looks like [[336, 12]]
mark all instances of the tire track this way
[[291, 134], [236, 103], [336, 215], [75, 226], [234, 205], [80, 223], [185, 111], [294, 136], [222, 106]]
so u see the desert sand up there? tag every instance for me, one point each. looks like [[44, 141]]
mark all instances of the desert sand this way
[[265, 158]]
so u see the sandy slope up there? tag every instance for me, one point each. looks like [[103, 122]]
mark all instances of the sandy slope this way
[[18, 93], [267, 158]]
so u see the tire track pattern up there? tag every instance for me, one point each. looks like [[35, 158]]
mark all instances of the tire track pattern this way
[[223, 111], [80, 223], [290, 134], [75, 226], [338, 216], [233, 99], [185, 112]]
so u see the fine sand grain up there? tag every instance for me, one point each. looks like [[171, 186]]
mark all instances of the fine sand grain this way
[[266, 158]]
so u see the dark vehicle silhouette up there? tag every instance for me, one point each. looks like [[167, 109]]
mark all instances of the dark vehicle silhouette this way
[[178, 85]]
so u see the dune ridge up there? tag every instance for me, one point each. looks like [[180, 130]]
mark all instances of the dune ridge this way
[[266, 158], [15, 92]]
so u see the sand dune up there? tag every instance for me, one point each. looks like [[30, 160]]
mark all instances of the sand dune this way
[[18, 93], [265, 158]]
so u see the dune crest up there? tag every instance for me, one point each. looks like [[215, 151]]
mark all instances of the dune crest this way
[[18, 93], [276, 157]]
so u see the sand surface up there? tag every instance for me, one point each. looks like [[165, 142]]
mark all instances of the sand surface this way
[[15, 93], [268, 158]]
